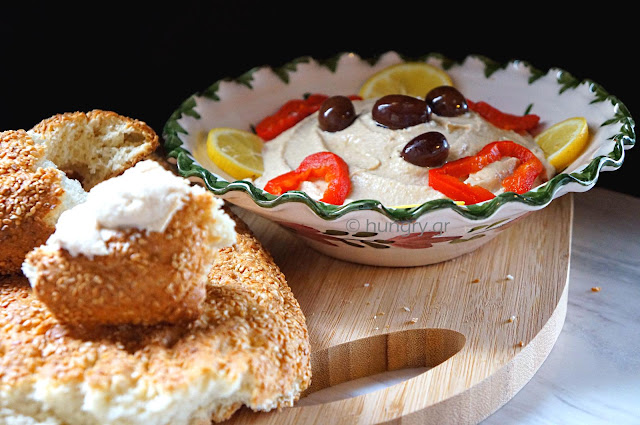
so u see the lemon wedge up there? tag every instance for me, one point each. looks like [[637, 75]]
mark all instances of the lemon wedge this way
[[237, 152], [410, 78], [563, 142]]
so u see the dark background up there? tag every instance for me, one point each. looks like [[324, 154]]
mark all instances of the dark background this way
[[144, 61]]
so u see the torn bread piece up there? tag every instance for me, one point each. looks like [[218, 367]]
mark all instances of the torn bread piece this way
[[137, 251], [96, 145], [33, 194], [40, 171], [249, 347]]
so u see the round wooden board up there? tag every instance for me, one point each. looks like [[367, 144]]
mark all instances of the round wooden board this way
[[479, 334]]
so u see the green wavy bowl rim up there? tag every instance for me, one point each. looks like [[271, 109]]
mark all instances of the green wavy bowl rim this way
[[625, 138]]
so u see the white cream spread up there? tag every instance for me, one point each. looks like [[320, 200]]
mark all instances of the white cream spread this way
[[373, 154], [144, 197]]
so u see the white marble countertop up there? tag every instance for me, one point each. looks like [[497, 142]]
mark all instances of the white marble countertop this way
[[592, 375]]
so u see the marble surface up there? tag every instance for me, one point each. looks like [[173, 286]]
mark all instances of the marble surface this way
[[592, 375]]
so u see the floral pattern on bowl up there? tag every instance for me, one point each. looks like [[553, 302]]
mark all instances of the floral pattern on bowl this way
[[515, 86]]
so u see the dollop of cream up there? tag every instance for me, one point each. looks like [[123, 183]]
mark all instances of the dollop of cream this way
[[144, 197]]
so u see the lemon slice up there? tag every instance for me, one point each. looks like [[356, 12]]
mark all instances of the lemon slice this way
[[563, 142], [237, 152], [410, 78]]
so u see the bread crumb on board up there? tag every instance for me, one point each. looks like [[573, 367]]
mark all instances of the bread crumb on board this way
[[595, 289], [511, 319]]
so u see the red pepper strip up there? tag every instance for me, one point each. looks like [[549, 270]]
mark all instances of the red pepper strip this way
[[448, 179], [326, 165], [453, 188], [289, 114], [315, 100], [502, 119], [525, 174]]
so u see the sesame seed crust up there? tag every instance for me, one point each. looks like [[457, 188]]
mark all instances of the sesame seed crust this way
[[251, 329], [18, 152], [28, 197]]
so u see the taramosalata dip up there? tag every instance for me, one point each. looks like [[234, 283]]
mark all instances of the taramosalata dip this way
[[372, 151]]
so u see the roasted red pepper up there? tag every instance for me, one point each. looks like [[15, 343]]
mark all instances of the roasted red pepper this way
[[502, 119], [448, 179], [325, 165], [289, 114]]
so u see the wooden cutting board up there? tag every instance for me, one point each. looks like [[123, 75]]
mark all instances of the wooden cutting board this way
[[479, 326]]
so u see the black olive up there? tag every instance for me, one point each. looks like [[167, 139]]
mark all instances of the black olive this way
[[397, 111], [446, 101], [428, 149], [336, 113]]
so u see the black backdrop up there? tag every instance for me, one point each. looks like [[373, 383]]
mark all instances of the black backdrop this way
[[144, 61]]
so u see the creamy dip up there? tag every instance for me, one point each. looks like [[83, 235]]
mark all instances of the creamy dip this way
[[373, 151], [144, 197]]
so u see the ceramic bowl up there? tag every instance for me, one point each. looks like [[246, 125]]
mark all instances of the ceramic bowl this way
[[365, 231]]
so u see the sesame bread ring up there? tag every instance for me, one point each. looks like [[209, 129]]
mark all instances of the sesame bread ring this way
[[250, 347], [137, 251]]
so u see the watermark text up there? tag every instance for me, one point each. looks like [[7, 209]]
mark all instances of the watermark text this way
[[403, 228]]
